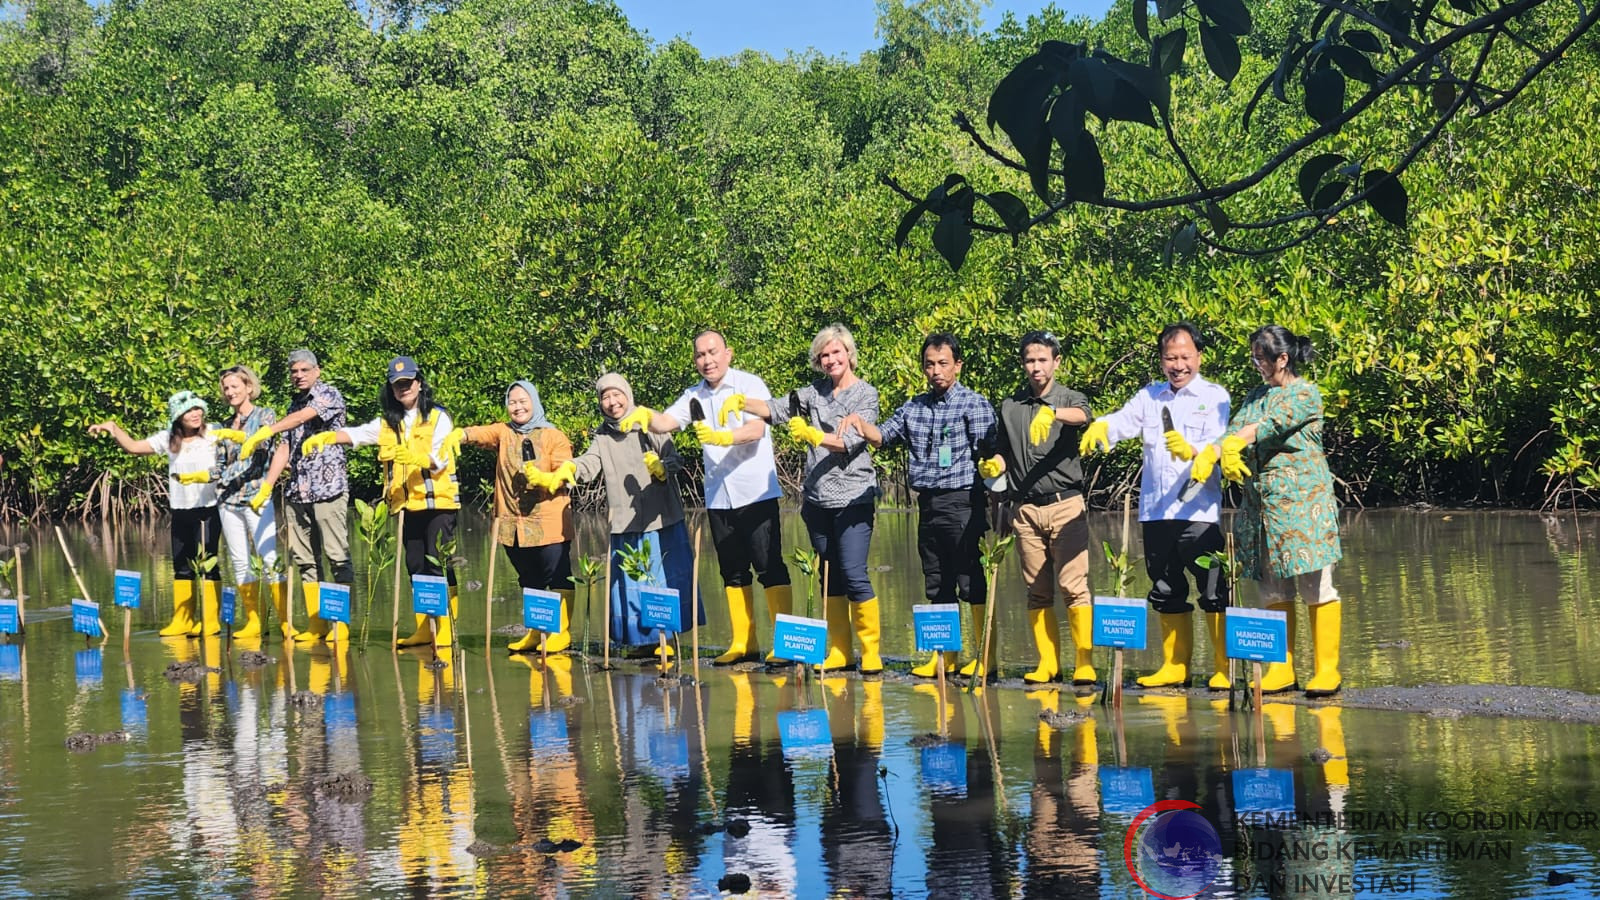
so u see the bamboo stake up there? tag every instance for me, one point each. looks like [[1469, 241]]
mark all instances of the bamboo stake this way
[[694, 619], [488, 595], [700, 719], [606, 605], [399, 562], [79, 579], [22, 619]]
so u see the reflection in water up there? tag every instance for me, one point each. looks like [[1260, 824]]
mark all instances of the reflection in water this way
[[241, 784]]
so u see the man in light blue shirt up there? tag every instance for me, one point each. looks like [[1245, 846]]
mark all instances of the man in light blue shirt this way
[[1179, 421]]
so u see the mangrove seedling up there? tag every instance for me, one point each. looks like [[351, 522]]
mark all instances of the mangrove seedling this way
[[588, 573], [808, 562], [372, 528]]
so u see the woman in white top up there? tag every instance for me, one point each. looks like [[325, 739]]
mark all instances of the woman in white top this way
[[191, 454]]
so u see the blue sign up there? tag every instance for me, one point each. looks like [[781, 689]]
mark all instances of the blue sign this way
[[541, 610], [230, 604], [88, 665], [1126, 790], [800, 639], [547, 732], [1263, 790], [938, 626], [335, 602], [10, 662], [1120, 622], [669, 753], [1259, 635], [436, 733], [660, 608], [805, 733], [85, 617], [135, 716], [128, 588], [430, 595], [9, 623], [944, 768]]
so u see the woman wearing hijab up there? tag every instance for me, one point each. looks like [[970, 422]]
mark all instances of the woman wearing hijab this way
[[190, 450], [643, 508], [532, 510]]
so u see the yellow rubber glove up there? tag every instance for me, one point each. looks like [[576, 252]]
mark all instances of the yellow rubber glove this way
[[566, 473], [451, 447], [228, 434], [536, 476], [658, 470], [1039, 428], [730, 407], [801, 430], [407, 455], [1233, 467], [1180, 449], [317, 443], [639, 418], [261, 497], [248, 448], [1205, 462], [711, 436], [201, 477], [991, 467], [1098, 432]]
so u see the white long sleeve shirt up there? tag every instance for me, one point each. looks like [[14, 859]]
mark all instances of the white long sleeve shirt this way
[[1200, 413]]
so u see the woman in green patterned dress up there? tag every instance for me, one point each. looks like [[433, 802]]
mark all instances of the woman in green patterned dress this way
[[1286, 532]]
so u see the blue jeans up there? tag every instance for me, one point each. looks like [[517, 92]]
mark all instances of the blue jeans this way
[[842, 537]]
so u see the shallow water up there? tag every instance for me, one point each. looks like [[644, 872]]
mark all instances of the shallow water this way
[[223, 786]]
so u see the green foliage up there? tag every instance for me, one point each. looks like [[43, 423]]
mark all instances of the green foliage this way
[[635, 562], [372, 529], [526, 188]]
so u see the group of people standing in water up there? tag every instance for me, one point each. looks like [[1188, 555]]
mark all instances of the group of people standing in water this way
[[1026, 460]]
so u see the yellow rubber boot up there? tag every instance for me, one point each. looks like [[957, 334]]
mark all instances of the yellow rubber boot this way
[[445, 634], [1280, 676], [837, 611], [741, 627], [780, 600], [210, 609], [1216, 626], [558, 671], [1047, 637], [930, 669], [865, 617], [1330, 732], [1177, 644], [1325, 635], [561, 640], [871, 733], [250, 602], [975, 667], [422, 634], [527, 643], [316, 626], [1080, 620], [338, 633], [182, 609], [280, 608]]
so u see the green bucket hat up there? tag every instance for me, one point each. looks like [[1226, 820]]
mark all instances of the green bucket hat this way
[[180, 403]]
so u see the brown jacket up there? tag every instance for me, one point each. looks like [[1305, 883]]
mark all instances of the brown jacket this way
[[526, 516]]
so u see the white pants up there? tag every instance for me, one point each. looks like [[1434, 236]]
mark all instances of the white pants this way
[[243, 527], [1315, 588]]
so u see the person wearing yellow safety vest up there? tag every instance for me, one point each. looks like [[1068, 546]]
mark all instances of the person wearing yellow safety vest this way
[[532, 510], [190, 449], [420, 479]]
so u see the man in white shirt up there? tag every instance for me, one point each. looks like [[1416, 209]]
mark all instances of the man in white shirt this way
[[741, 484], [1180, 421]]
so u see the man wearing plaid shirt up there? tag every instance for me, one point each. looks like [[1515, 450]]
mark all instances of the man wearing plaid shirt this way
[[946, 429]]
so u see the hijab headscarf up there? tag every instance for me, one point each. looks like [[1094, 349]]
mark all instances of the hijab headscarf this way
[[537, 420], [609, 381]]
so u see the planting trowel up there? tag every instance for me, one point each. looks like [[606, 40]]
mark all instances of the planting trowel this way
[[1190, 487]]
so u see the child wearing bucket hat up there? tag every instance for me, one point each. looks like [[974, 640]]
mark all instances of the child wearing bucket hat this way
[[189, 447]]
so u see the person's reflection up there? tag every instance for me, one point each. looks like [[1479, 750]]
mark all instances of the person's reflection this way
[[557, 810], [331, 770], [661, 784], [437, 826], [970, 857], [1065, 827], [210, 830], [856, 841], [761, 788]]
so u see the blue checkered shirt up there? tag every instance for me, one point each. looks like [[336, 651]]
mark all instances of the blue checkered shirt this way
[[958, 418]]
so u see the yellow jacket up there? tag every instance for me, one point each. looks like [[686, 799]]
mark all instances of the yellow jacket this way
[[413, 487]]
